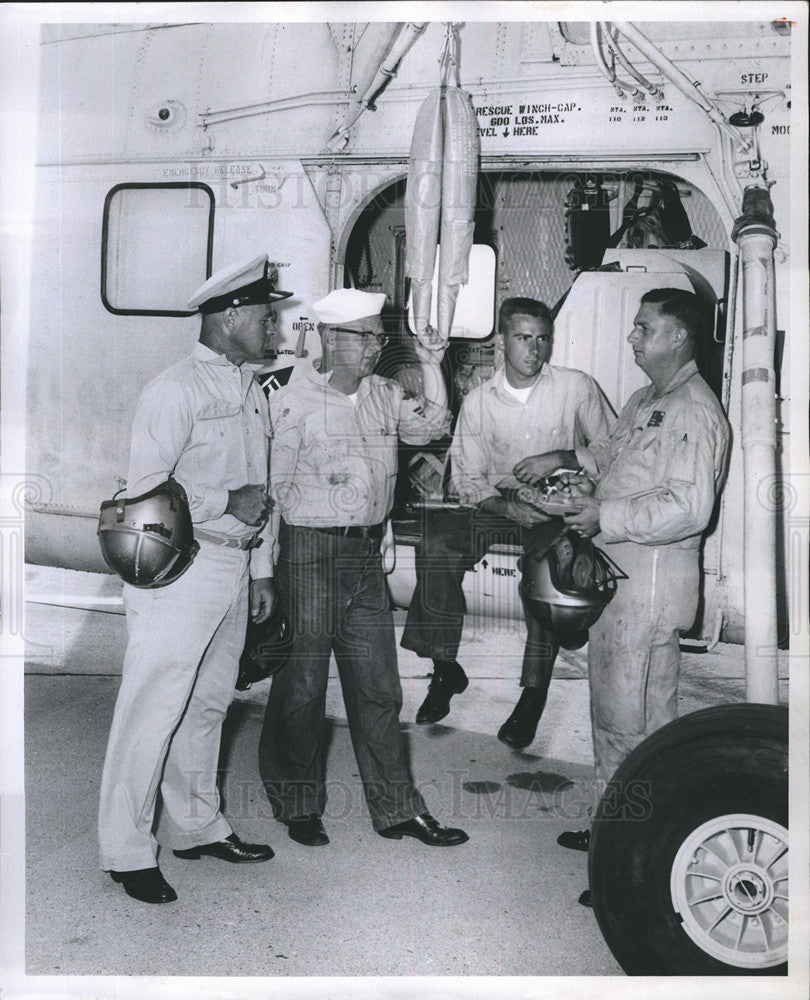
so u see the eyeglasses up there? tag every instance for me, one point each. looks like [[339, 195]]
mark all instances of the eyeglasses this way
[[367, 335]]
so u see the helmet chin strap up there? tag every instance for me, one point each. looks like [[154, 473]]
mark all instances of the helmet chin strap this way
[[618, 572]]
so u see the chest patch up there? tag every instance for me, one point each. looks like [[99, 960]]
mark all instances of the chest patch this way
[[656, 419], [273, 381]]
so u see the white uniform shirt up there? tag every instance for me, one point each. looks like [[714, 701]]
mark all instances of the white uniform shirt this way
[[334, 461], [565, 410], [204, 420]]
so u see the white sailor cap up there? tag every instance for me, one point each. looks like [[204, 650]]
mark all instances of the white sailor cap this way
[[345, 305], [251, 282]]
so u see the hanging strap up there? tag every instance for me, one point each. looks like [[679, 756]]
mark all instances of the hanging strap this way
[[450, 55], [630, 214]]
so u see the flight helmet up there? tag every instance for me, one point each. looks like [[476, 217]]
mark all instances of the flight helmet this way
[[148, 540], [568, 585], [267, 649]]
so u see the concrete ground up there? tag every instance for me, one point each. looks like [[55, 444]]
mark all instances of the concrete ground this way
[[502, 905]]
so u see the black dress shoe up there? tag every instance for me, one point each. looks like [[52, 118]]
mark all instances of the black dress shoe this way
[[586, 899], [575, 840], [426, 829], [308, 831], [520, 728], [447, 680], [146, 884], [230, 849]]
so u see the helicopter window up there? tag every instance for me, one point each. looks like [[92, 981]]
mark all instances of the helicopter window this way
[[156, 244], [474, 318]]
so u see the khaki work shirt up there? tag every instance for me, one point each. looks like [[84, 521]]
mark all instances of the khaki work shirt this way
[[565, 410], [663, 466], [204, 420], [334, 461]]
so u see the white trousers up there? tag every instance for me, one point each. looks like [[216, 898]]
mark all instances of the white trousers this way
[[178, 679]]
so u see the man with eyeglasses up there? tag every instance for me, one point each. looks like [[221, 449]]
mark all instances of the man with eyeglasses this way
[[333, 470]]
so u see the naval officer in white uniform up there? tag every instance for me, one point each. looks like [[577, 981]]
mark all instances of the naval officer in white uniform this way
[[204, 422]]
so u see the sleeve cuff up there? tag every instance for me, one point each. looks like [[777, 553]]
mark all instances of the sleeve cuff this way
[[217, 501], [613, 520], [472, 496], [587, 461], [261, 560], [206, 506]]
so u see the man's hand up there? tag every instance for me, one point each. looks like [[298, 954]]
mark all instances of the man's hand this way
[[574, 485], [250, 505], [388, 549], [410, 378], [529, 470], [430, 347], [524, 513], [262, 599], [585, 519]]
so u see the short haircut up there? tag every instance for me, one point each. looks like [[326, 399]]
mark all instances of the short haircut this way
[[685, 307], [523, 307]]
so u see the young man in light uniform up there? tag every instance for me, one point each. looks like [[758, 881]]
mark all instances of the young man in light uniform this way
[[528, 406]]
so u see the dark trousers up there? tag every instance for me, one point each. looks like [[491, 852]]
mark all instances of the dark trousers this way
[[452, 542], [334, 591]]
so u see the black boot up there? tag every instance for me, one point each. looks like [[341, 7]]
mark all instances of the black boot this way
[[575, 840], [448, 679], [519, 729]]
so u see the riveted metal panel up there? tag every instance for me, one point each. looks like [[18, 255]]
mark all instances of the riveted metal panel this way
[[535, 45]]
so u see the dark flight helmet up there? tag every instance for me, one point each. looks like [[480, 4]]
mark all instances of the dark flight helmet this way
[[148, 540]]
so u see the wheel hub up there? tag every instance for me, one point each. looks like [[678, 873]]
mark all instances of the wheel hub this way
[[729, 884], [748, 890]]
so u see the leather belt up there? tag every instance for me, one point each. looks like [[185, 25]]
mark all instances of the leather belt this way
[[372, 531], [228, 541]]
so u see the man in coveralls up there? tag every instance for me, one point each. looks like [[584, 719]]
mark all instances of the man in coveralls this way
[[204, 421], [333, 467], [659, 474], [529, 406]]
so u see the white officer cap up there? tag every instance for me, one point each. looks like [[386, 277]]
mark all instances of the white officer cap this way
[[250, 282], [345, 305]]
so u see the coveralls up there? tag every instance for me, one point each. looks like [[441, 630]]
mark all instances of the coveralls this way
[[205, 421], [659, 474], [565, 409], [333, 470]]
